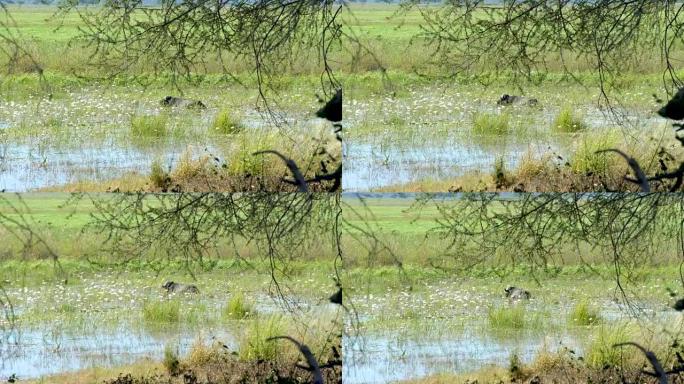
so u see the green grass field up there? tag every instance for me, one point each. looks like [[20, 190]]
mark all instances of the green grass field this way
[[41, 23]]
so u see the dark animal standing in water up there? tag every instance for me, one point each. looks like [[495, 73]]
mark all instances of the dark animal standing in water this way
[[674, 109], [332, 110], [514, 293], [336, 297], [172, 287], [679, 305], [172, 101], [507, 99]]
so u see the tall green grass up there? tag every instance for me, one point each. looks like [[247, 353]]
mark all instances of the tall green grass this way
[[254, 345], [242, 160], [507, 317], [501, 176], [150, 126], [491, 124], [170, 361], [568, 122], [199, 314], [600, 351], [238, 307], [226, 123], [166, 311], [158, 176], [515, 367], [587, 160], [583, 313]]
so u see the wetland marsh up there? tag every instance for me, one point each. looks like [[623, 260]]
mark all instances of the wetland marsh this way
[[421, 315], [90, 316], [85, 140], [69, 125], [423, 118], [112, 318], [426, 138]]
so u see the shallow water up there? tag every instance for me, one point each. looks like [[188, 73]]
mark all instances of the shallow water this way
[[24, 169], [39, 353], [32, 353], [377, 359], [367, 168]]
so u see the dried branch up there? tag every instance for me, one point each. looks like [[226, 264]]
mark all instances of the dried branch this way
[[310, 358], [652, 358], [641, 178]]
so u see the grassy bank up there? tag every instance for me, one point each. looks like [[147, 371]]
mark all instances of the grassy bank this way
[[421, 232], [67, 223]]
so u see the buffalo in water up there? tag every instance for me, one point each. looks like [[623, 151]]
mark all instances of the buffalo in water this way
[[336, 298], [674, 109], [173, 101], [172, 287], [679, 305], [515, 293], [507, 99], [332, 110]]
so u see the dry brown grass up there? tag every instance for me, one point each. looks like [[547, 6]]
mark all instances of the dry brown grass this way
[[557, 368], [544, 179], [545, 174], [211, 364], [201, 175], [97, 375]]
